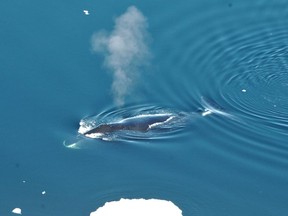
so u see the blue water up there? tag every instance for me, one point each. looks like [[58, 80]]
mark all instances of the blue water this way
[[234, 53]]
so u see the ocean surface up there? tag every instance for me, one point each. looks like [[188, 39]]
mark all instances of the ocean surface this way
[[223, 63]]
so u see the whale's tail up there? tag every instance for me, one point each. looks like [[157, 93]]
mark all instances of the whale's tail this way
[[210, 107]]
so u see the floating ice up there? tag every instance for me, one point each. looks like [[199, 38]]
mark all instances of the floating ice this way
[[244, 90], [132, 207], [17, 211], [43, 192], [86, 12]]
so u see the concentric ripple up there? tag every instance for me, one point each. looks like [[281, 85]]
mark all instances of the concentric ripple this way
[[238, 56], [260, 94], [256, 83], [242, 62]]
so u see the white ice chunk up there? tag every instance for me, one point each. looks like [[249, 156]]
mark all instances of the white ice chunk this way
[[139, 207], [86, 12], [43, 192], [244, 90], [17, 211]]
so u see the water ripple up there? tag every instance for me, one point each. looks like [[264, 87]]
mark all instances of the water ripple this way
[[236, 54], [244, 64], [255, 83]]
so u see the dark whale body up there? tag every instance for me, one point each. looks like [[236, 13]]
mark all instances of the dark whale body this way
[[140, 123], [110, 126]]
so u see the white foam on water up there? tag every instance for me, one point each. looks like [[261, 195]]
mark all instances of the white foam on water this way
[[72, 145], [107, 139], [206, 112], [85, 127], [210, 109]]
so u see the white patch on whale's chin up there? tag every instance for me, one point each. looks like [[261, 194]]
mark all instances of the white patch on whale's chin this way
[[99, 136], [94, 135]]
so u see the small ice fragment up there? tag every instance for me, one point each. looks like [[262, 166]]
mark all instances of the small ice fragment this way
[[43, 192], [23, 181], [244, 90], [16, 211], [86, 12]]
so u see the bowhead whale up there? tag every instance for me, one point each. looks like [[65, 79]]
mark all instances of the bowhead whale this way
[[141, 123], [138, 121]]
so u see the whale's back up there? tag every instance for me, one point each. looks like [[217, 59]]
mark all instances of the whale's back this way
[[136, 123]]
